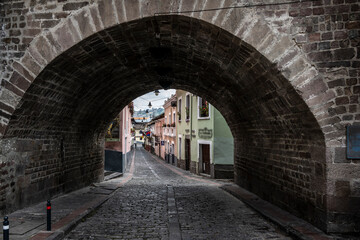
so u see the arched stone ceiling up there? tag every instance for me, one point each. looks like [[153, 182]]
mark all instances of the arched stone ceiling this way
[[87, 85]]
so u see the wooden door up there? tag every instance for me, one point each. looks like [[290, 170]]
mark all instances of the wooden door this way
[[205, 153], [187, 154]]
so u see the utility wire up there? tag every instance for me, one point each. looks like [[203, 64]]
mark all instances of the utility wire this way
[[153, 100], [248, 5]]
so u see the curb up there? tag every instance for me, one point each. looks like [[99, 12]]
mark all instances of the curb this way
[[294, 226], [76, 217], [61, 232]]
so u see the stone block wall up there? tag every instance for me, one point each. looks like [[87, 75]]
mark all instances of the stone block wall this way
[[220, 171], [181, 163], [329, 33], [194, 167], [286, 171], [288, 113], [36, 170]]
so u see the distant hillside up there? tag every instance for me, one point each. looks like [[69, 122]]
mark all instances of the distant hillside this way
[[151, 113]]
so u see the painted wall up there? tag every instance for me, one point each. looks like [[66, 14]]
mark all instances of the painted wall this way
[[159, 150], [183, 125], [223, 140], [201, 123], [123, 143], [169, 132], [126, 127]]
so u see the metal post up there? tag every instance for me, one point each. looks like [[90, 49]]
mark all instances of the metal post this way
[[6, 229], [48, 210]]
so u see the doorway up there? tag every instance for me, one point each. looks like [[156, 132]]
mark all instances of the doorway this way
[[187, 154], [205, 158]]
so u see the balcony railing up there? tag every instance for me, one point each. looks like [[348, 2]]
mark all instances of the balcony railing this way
[[169, 131]]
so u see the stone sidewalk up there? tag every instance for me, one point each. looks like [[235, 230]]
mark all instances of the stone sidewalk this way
[[70, 209], [67, 210]]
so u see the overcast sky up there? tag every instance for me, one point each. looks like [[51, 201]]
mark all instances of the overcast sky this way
[[156, 101]]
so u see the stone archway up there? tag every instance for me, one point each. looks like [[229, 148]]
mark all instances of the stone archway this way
[[278, 47], [101, 56]]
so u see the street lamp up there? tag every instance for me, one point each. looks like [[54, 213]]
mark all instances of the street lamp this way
[[150, 105], [156, 92]]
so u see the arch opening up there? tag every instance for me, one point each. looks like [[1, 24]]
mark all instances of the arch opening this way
[[279, 148]]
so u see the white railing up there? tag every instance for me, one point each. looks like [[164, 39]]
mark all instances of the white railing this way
[[169, 131]]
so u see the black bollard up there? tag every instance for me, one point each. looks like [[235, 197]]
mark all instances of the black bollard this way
[[6, 228], [48, 211]]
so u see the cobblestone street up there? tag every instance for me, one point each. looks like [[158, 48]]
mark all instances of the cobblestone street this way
[[160, 203]]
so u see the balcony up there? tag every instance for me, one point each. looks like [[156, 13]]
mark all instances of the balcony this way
[[169, 131]]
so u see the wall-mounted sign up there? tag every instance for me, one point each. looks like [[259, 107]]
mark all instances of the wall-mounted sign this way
[[162, 143], [353, 142], [205, 133]]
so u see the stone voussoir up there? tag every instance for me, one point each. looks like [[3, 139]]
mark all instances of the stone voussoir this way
[[108, 13], [84, 22], [31, 65]]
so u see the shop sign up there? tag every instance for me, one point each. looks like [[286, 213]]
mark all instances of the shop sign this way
[[205, 133]]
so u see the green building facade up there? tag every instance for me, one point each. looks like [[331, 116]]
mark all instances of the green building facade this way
[[204, 140]]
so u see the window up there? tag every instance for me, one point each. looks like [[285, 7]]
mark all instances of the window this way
[[174, 118], [179, 109], [187, 106], [203, 108]]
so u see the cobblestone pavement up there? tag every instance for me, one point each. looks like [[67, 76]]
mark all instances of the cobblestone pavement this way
[[161, 204]]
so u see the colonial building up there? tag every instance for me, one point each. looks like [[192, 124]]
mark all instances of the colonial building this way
[[149, 143], [204, 140], [158, 136], [169, 130], [118, 141], [138, 129]]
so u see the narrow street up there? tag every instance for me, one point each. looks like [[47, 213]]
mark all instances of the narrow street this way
[[160, 203]]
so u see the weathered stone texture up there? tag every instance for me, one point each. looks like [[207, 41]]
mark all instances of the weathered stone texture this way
[[33, 170], [288, 88], [332, 43]]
